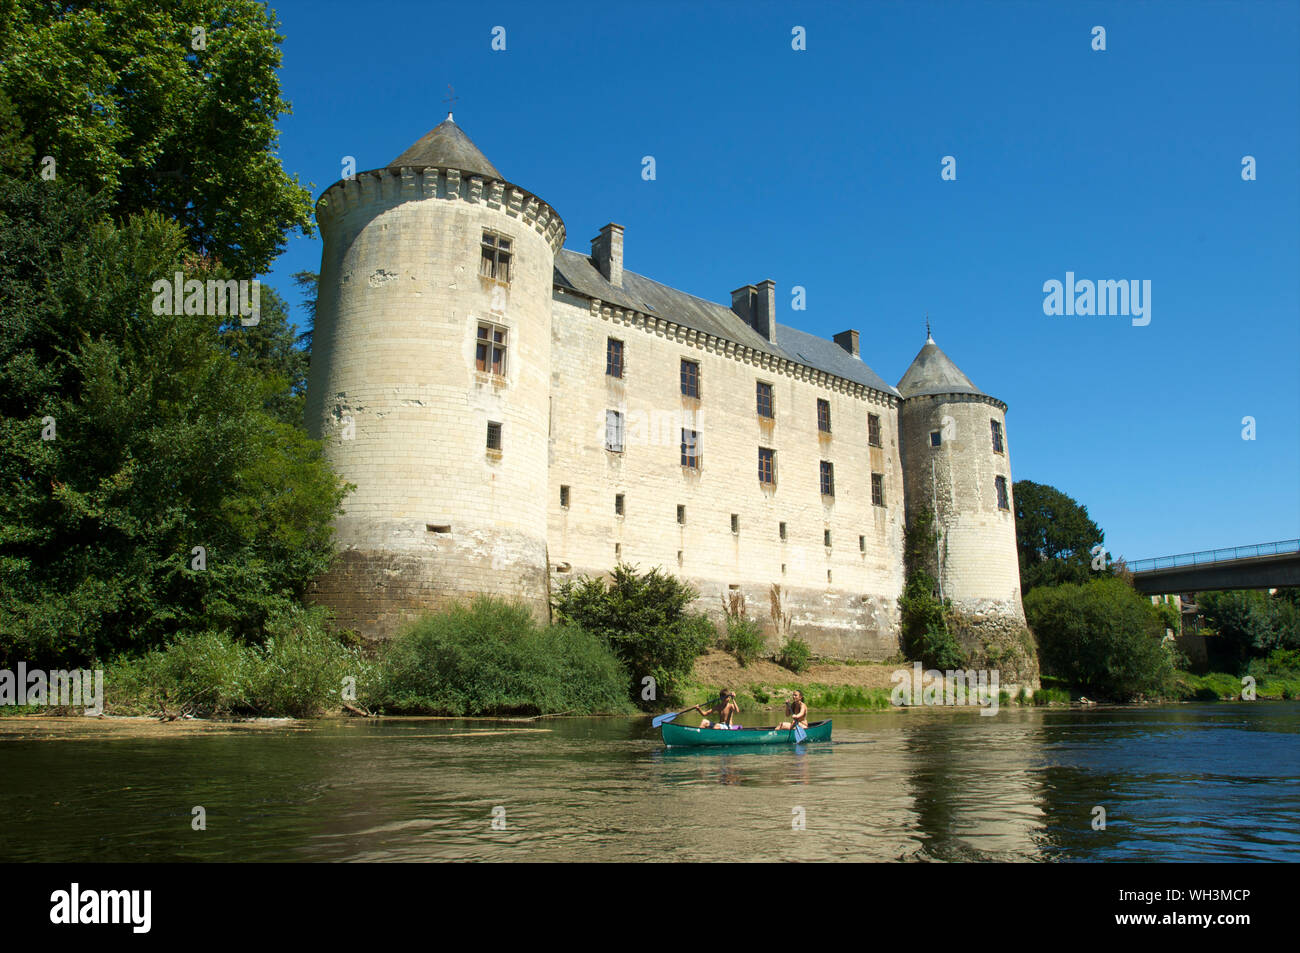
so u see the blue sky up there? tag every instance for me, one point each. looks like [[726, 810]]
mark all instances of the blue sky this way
[[821, 168]]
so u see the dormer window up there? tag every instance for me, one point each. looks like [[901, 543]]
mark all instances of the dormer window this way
[[495, 263]]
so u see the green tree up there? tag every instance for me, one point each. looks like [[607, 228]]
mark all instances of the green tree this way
[[1101, 637], [1054, 537], [643, 617], [134, 105], [127, 439], [1251, 623]]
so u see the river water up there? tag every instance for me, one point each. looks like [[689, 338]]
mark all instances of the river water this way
[[1183, 783]]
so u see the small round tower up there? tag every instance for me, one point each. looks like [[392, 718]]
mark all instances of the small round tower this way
[[956, 463], [430, 382]]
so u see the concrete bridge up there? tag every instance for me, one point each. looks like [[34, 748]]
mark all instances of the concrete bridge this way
[[1262, 566]]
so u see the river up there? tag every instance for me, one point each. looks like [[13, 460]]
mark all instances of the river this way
[[1179, 783]]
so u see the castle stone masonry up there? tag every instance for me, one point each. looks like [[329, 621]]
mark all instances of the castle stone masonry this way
[[515, 413]]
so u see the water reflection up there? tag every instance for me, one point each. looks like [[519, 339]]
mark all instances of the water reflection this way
[[1184, 783]]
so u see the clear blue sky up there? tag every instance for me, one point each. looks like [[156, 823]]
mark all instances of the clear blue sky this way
[[821, 168]]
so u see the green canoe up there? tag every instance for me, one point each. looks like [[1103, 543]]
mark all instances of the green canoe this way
[[680, 735]]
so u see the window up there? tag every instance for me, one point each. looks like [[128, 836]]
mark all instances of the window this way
[[828, 478], [823, 415], [613, 358], [618, 503], [618, 551], [997, 436], [735, 523], [935, 439], [691, 449], [877, 489], [490, 353], [781, 529], [494, 436], [826, 538], [690, 379], [496, 257], [766, 466], [614, 431], [564, 497], [828, 575], [862, 544], [1001, 484], [873, 430], [765, 400], [681, 514]]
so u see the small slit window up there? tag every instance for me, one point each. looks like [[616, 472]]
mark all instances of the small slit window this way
[[493, 436]]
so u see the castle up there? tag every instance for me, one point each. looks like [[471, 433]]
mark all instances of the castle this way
[[514, 414]]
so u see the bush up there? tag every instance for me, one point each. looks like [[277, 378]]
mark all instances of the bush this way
[[794, 654], [297, 672], [1051, 696], [1101, 637], [643, 619], [744, 640], [491, 658], [1251, 623], [926, 636]]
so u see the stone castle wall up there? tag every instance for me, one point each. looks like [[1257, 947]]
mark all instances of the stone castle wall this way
[[851, 613]]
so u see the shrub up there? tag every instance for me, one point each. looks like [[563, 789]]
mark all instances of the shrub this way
[[926, 635], [794, 654], [1051, 696], [642, 617], [1101, 637], [490, 657], [297, 672], [744, 640]]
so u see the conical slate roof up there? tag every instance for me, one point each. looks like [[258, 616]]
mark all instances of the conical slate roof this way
[[933, 372], [446, 147]]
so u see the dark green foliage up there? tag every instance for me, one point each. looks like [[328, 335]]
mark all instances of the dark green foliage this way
[[643, 618], [116, 92], [1250, 623], [491, 658], [794, 654], [270, 350], [1102, 638], [164, 442], [926, 635], [1054, 537], [298, 672]]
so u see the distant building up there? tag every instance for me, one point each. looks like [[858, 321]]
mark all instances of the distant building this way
[[514, 413]]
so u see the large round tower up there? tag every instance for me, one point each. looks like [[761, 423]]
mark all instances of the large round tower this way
[[430, 382], [956, 464]]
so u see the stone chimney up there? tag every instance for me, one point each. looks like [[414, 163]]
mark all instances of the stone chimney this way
[[742, 302], [849, 341], [607, 253], [765, 310], [756, 306]]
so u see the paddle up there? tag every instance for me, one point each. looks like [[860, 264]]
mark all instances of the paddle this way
[[799, 734], [671, 716]]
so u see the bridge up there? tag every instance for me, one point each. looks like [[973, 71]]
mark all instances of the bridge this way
[[1262, 566]]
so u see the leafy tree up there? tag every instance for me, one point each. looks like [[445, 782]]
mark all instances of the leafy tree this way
[[270, 349], [134, 105], [308, 283], [1101, 637], [1054, 537], [644, 618], [1251, 623], [161, 442]]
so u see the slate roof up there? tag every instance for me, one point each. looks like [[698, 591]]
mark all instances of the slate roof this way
[[576, 272], [933, 372], [446, 147]]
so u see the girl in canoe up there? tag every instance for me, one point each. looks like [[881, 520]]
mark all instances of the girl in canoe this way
[[728, 711], [797, 710]]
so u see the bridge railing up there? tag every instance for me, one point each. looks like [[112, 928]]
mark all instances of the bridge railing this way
[[1215, 556]]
